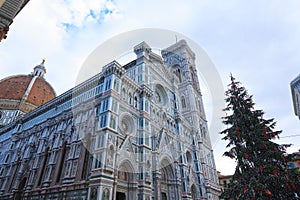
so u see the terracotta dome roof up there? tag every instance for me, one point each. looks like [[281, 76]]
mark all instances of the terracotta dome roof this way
[[24, 90]]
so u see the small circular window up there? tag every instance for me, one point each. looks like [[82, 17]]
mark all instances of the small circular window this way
[[160, 95], [127, 124]]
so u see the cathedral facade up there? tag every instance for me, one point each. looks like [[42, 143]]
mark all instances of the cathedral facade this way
[[132, 132]]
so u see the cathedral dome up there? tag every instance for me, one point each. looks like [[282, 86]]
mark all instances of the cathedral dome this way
[[26, 92]]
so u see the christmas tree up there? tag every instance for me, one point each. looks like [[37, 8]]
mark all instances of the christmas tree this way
[[262, 165]]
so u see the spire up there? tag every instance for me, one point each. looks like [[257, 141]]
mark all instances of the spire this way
[[40, 69]]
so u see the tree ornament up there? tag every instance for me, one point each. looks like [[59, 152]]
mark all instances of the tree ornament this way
[[245, 189], [265, 134], [239, 136], [237, 128], [268, 192], [275, 172], [272, 133], [246, 155], [287, 177], [261, 168], [265, 146], [293, 185]]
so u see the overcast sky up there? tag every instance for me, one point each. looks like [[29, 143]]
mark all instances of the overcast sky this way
[[258, 41]]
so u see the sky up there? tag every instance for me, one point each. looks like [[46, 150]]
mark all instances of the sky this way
[[257, 41]]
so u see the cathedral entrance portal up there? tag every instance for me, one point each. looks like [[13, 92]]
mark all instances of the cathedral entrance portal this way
[[19, 193], [120, 196], [163, 196], [126, 184], [168, 187]]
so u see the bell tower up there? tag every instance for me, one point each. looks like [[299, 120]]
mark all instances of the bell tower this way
[[181, 61]]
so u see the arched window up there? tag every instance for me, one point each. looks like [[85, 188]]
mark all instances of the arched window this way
[[135, 102], [188, 157], [105, 194], [178, 74], [130, 98], [194, 192], [192, 74], [183, 103], [123, 94], [93, 195]]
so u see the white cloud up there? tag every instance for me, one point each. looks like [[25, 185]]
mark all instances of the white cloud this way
[[257, 41]]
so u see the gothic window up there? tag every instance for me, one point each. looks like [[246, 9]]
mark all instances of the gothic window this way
[[98, 109], [1, 171], [178, 74], [103, 121], [135, 102], [130, 98], [7, 158], [108, 84], [61, 162], [105, 105], [116, 84], [188, 157], [74, 168], [94, 192], [194, 192], [141, 174], [127, 124], [52, 157], [183, 103], [11, 146], [124, 94], [19, 127], [100, 140], [140, 74], [114, 106], [31, 177], [112, 123], [71, 151], [47, 173], [160, 95], [56, 142], [68, 168], [146, 105], [192, 74], [105, 194], [36, 162], [147, 139], [77, 151], [98, 160], [157, 97]]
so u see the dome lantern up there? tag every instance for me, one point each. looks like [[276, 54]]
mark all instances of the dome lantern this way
[[40, 70]]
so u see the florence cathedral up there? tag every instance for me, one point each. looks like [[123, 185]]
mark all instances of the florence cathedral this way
[[131, 132]]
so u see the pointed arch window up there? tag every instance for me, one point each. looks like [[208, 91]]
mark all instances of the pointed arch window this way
[[178, 74], [183, 103], [135, 102], [130, 99]]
